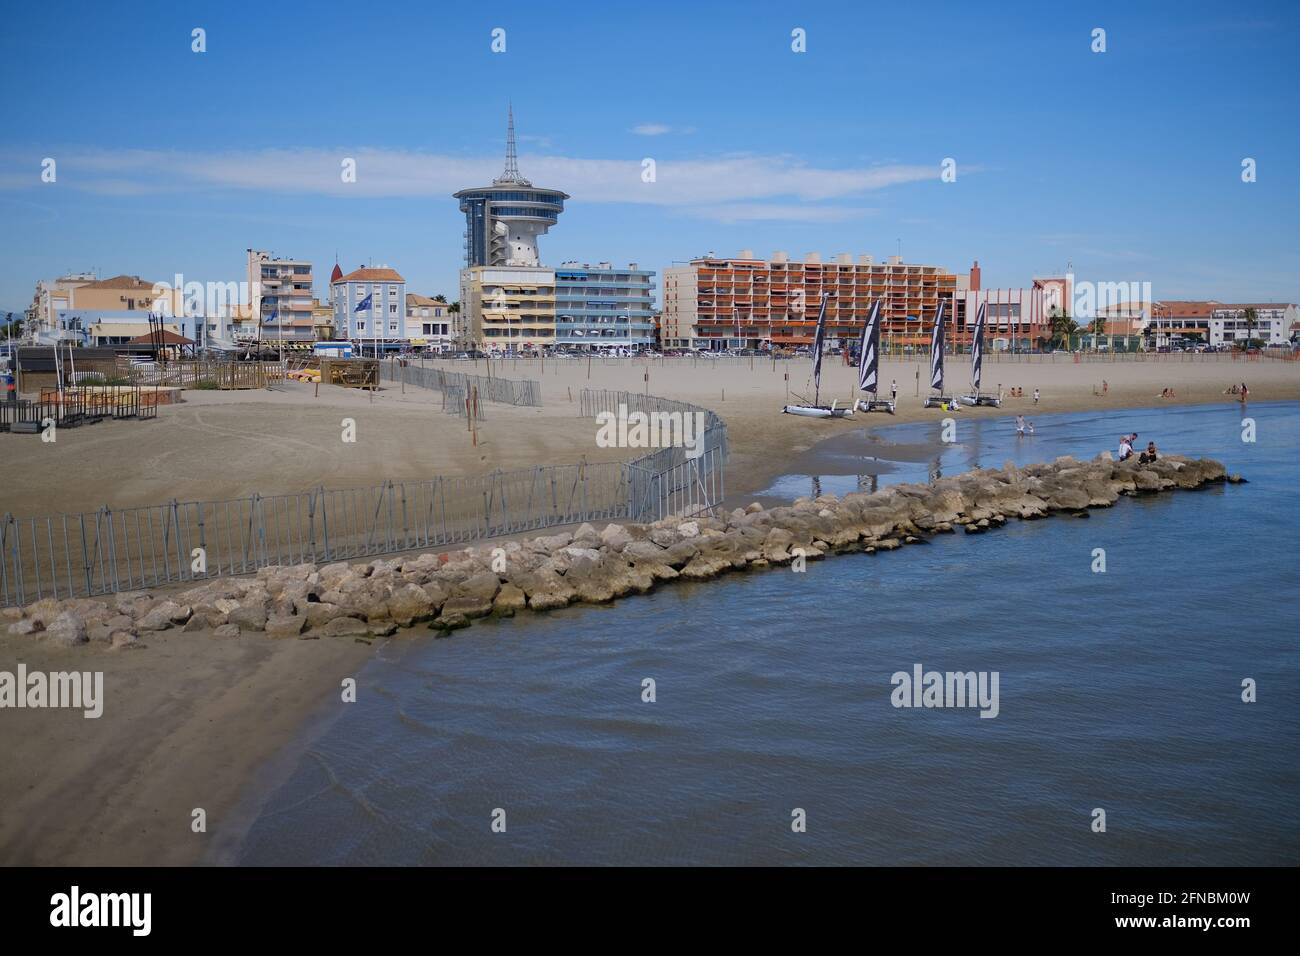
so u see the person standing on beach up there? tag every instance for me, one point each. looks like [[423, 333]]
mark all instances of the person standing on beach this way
[[1244, 392], [1035, 396], [1105, 386], [893, 390]]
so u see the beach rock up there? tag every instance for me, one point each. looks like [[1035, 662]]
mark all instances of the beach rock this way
[[284, 625], [482, 587], [509, 600], [615, 537], [43, 612], [409, 604], [163, 615], [343, 627], [688, 529], [226, 631], [664, 537], [1146, 481], [249, 616], [66, 630], [586, 537], [467, 606], [23, 627]]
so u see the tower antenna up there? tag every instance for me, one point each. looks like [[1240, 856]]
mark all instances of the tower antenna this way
[[511, 174]]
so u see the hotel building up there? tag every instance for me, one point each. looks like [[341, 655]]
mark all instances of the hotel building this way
[[601, 306], [281, 297], [370, 307], [747, 302]]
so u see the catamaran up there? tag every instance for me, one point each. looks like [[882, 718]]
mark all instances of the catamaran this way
[[976, 362], [937, 399], [816, 409], [869, 365]]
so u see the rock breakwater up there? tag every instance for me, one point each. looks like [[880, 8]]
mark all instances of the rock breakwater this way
[[449, 590]]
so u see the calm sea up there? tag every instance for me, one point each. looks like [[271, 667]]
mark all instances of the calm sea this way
[[1119, 691]]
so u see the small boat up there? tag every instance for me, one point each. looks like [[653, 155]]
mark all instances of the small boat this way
[[976, 364], [937, 399], [816, 409], [869, 365]]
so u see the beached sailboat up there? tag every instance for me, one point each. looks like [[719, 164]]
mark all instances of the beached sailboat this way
[[976, 362], [816, 409], [937, 399], [869, 365]]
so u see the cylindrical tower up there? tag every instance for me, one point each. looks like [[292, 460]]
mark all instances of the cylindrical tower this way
[[503, 221]]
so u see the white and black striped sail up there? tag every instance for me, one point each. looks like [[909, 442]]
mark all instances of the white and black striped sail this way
[[977, 350], [818, 337], [869, 352], [936, 348]]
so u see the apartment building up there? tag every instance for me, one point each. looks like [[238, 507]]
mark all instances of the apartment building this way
[[281, 297], [748, 302], [370, 307], [509, 307], [430, 323], [107, 311], [602, 306], [1272, 325]]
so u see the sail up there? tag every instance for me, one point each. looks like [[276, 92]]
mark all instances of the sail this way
[[977, 350], [936, 348], [818, 336], [869, 352]]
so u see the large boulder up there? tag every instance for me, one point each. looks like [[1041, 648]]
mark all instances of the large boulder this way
[[409, 604], [66, 630]]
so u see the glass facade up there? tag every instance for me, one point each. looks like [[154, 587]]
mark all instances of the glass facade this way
[[601, 307]]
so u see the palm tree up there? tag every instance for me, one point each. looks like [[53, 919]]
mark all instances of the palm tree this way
[[1098, 328], [1251, 317], [1062, 326]]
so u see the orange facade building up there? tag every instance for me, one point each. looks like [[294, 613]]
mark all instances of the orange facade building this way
[[749, 303]]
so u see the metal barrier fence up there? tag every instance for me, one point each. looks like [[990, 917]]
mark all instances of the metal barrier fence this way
[[674, 480], [103, 551], [76, 406], [489, 388]]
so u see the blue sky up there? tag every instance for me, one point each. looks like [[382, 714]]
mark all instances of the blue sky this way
[[1126, 164]]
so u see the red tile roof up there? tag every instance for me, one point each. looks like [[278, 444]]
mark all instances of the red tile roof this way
[[371, 275]]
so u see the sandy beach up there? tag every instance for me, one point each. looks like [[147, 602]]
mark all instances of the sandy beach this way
[[193, 721]]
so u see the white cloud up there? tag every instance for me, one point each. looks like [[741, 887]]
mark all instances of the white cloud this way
[[651, 129], [778, 212], [740, 186]]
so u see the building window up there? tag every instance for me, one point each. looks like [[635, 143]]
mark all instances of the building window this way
[[361, 325]]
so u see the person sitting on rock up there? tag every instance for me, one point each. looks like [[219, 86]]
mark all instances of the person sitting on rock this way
[[1125, 447], [1149, 455]]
